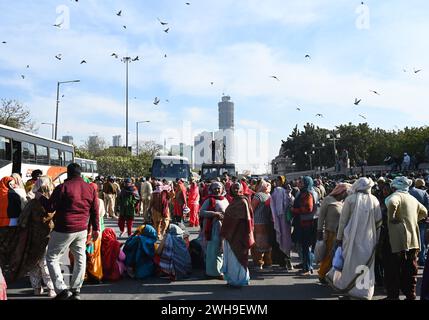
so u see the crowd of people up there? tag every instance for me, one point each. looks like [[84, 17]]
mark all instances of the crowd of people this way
[[358, 232]]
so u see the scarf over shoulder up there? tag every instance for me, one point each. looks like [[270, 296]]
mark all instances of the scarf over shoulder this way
[[237, 227]]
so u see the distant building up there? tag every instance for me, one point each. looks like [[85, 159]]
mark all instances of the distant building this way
[[117, 141], [93, 140], [224, 137], [202, 147], [282, 164], [183, 150], [226, 113], [67, 139]]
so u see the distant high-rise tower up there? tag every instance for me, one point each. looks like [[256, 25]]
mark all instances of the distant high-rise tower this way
[[225, 135], [117, 141], [226, 113], [67, 139]]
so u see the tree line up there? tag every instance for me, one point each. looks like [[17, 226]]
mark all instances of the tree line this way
[[118, 161], [365, 145]]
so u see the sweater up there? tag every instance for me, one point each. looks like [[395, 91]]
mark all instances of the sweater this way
[[75, 204], [329, 215], [403, 214]]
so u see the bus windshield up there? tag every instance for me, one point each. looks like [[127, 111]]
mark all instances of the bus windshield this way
[[212, 172], [169, 169]]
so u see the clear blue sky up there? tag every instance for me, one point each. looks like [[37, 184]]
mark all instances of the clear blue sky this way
[[237, 45]]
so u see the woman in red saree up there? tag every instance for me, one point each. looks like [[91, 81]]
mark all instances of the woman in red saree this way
[[194, 204], [180, 201], [112, 256]]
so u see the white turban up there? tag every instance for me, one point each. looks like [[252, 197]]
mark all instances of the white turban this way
[[363, 185]]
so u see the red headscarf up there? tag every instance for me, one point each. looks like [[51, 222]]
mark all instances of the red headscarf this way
[[4, 190], [110, 249]]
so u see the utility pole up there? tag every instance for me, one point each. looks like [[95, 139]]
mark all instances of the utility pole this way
[[127, 61], [137, 135], [58, 102]]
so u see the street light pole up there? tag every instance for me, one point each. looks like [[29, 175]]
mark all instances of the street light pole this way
[[126, 60], [309, 154], [52, 128], [319, 148], [58, 102], [56, 113], [137, 135], [334, 137]]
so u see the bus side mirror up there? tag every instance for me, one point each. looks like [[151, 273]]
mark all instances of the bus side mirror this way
[[199, 172], [150, 170]]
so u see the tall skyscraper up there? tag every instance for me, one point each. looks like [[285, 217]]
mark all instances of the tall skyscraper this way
[[117, 141], [224, 137], [226, 113], [226, 129], [67, 139]]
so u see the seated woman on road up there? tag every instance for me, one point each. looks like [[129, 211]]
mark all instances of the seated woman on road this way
[[94, 269], [175, 260], [112, 257], [140, 251]]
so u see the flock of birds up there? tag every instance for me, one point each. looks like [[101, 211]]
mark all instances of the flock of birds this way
[[59, 56], [166, 29], [356, 102]]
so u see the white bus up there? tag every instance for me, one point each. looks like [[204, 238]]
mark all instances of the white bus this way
[[23, 152], [89, 167], [171, 168]]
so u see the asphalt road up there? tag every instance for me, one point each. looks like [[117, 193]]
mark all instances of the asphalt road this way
[[272, 284]]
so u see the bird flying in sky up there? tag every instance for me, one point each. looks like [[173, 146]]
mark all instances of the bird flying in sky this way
[[161, 22]]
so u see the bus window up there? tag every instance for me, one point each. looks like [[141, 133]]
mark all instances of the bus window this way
[[62, 158], [84, 166], [42, 155], [68, 158], [28, 152], [95, 167], [5, 149], [54, 155]]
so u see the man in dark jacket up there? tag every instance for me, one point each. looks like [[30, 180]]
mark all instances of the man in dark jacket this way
[[75, 204]]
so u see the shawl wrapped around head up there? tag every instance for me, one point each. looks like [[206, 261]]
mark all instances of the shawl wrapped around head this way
[[401, 183], [175, 259], [362, 185], [159, 202], [340, 188], [110, 249], [140, 251], [237, 227]]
